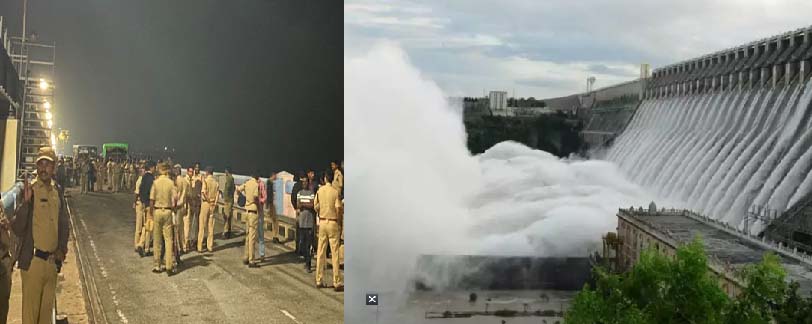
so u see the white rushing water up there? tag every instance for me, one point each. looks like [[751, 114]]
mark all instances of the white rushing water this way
[[723, 152], [414, 188]]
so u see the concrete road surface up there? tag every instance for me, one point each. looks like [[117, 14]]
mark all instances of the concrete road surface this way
[[210, 287]]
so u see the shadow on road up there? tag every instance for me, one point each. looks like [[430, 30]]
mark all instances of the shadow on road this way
[[229, 245], [284, 258], [192, 262]]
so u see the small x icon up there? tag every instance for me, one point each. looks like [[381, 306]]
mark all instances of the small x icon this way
[[372, 299]]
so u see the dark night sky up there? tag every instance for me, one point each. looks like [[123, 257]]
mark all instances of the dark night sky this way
[[249, 83]]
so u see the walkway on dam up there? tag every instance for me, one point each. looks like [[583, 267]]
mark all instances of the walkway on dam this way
[[209, 288]]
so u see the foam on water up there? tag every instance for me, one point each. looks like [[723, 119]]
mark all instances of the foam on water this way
[[414, 189]]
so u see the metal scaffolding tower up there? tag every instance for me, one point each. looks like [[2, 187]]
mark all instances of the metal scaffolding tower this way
[[37, 61]]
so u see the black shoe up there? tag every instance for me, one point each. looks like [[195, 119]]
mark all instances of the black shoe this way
[[245, 262], [253, 265], [148, 253], [308, 270], [339, 288], [276, 240], [141, 252], [319, 286], [227, 235], [172, 272], [156, 270]]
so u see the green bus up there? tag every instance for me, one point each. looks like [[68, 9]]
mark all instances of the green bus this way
[[115, 150]]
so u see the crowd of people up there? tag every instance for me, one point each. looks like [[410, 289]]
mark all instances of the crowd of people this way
[[175, 210], [174, 215]]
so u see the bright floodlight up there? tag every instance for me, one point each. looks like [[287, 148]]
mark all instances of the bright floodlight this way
[[49, 116], [43, 85], [50, 124], [53, 140], [47, 105]]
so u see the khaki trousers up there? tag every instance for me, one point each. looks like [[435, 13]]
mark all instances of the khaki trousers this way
[[228, 210], [39, 291], [189, 222], [163, 233], [251, 221], [328, 231], [140, 216], [206, 226], [146, 231]]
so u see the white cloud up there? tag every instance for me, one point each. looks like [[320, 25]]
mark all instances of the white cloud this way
[[529, 44]]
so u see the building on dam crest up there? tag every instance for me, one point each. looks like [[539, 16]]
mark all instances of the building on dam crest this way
[[727, 248]]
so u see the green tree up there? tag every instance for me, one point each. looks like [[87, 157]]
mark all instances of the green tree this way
[[658, 289], [682, 290]]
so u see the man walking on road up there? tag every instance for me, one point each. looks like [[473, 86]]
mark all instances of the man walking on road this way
[[162, 202], [327, 205], [228, 203], [41, 224], [251, 191], [208, 194], [306, 220]]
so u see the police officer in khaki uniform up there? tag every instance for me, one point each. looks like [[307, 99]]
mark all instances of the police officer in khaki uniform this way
[[139, 216], [251, 191], [327, 205], [162, 198], [144, 190], [183, 190], [208, 197], [41, 224]]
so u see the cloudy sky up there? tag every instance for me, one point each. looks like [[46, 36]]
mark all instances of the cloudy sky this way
[[546, 48]]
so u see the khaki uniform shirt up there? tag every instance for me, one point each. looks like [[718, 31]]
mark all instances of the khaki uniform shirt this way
[[46, 216], [327, 202], [210, 189], [163, 191], [251, 190], [183, 189]]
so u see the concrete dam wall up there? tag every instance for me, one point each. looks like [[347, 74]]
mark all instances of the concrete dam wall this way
[[726, 131]]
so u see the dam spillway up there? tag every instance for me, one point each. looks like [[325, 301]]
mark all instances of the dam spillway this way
[[726, 131]]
